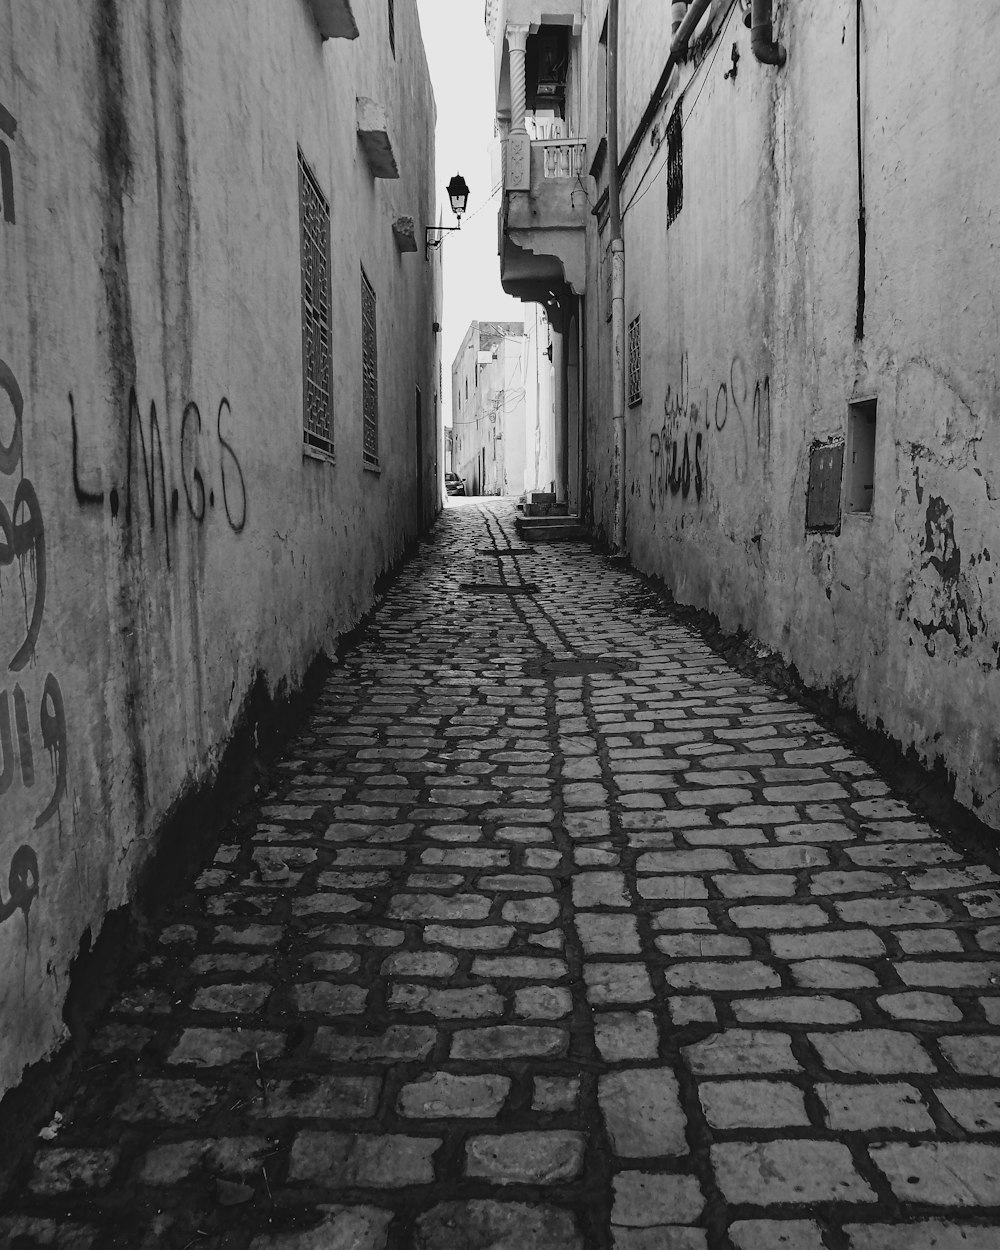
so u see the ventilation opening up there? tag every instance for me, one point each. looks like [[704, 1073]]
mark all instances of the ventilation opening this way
[[860, 470]]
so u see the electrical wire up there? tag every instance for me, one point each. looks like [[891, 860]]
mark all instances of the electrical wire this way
[[639, 193]]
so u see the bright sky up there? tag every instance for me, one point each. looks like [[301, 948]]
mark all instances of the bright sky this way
[[460, 57]]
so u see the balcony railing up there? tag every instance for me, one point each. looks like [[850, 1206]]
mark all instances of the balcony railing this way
[[564, 158]]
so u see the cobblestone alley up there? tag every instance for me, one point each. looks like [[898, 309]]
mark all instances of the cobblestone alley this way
[[554, 932]]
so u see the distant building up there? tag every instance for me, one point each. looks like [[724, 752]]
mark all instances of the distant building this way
[[219, 387], [501, 407]]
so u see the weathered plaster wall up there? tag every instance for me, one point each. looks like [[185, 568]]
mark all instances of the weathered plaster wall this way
[[163, 541], [749, 357]]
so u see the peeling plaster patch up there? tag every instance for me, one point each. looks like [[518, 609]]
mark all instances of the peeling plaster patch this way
[[943, 599]]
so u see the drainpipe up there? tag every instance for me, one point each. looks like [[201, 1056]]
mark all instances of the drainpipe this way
[[762, 42], [677, 12], [617, 287]]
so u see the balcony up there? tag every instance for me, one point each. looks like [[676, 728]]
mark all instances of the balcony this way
[[543, 225]]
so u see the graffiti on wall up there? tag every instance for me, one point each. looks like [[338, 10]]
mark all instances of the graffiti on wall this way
[[8, 129], [203, 460], [22, 545], [732, 422]]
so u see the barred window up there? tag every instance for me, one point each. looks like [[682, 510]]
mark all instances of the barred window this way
[[369, 369], [675, 164], [314, 237], [634, 363], [392, 26]]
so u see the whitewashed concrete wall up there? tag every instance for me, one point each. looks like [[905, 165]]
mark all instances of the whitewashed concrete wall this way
[[749, 357], [163, 540]]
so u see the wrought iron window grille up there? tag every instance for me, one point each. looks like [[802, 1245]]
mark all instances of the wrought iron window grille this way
[[314, 237], [675, 164], [369, 368], [634, 362]]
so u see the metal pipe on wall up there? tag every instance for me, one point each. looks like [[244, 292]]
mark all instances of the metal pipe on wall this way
[[762, 42], [617, 288]]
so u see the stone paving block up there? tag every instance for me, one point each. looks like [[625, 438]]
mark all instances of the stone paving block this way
[[973, 1055], [921, 1235], [772, 916], [320, 997], [691, 1007], [752, 1104], [63, 1170], [976, 1110], [398, 1042], [532, 1158], [755, 885], [597, 889], [740, 975], [518, 967], [435, 907], [342, 1228], [685, 861], [919, 1005], [679, 887], [485, 937], [372, 1160], [876, 1051], [509, 1041], [950, 974], [312, 1096], [832, 974], [27, 1230], [888, 1105], [642, 1113], [649, 1200], [623, 1035], [775, 1234], [703, 946], [209, 1048], [543, 1002], [446, 1004], [555, 1093], [846, 943], [444, 1094], [949, 1174], [792, 1172], [607, 934], [617, 983], [531, 910], [484, 1224], [803, 1009], [662, 1237], [742, 1051], [172, 1162]]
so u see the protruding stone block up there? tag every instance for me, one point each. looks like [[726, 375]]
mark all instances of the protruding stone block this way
[[334, 19], [405, 234], [373, 133]]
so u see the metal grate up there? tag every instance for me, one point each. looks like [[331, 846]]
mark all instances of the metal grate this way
[[392, 26], [369, 367], [314, 233], [634, 362], [607, 284], [675, 164]]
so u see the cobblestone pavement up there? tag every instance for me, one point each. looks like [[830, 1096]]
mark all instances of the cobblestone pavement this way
[[556, 932]]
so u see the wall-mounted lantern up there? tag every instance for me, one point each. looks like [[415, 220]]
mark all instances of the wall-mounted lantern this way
[[458, 194]]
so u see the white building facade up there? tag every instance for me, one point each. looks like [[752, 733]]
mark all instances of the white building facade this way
[[218, 399], [809, 381]]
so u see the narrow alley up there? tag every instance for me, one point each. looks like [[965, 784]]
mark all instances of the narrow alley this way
[[554, 932]]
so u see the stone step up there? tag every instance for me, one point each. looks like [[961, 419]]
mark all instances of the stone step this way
[[550, 528]]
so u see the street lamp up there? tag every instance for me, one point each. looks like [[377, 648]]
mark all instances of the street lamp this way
[[458, 194]]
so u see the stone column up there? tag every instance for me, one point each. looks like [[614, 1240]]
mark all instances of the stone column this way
[[518, 162]]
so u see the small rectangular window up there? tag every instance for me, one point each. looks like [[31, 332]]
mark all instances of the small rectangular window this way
[[634, 363], [392, 27], [859, 485], [314, 241], [369, 370], [675, 164]]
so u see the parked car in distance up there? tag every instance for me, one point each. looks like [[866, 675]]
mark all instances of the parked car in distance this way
[[453, 484]]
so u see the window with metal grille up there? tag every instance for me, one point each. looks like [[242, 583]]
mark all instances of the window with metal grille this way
[[634, 363], [675, 164], [369, 367], [392, 26], [314, 238]]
